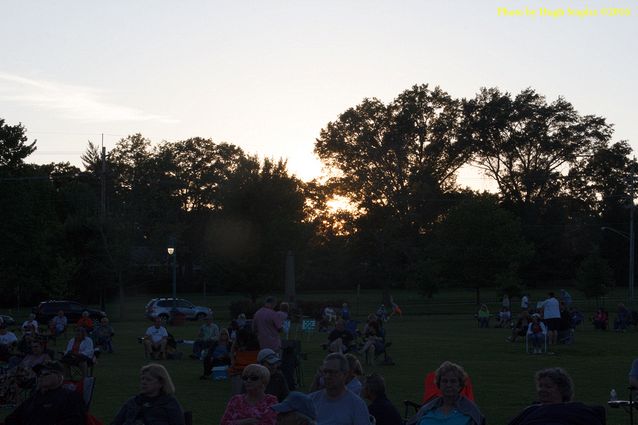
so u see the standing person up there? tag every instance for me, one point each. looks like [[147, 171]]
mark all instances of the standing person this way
[[551, 316], [207, 336], [451, 407], [266, 324], [335, 404], [567, 298], [524, 302], [380, 407], [155, 339], [50, 404], [506, 302], [155, 404]]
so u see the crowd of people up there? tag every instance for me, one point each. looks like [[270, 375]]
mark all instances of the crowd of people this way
[[251, 352]]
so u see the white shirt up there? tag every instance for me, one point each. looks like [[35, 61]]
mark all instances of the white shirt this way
[[85, 348], [30, 322], [524, 302], [551, 309], [157, 334], [8, 338]]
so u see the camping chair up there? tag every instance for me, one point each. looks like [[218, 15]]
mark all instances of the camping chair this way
[[528, 346], [291, 363], [430, 390]]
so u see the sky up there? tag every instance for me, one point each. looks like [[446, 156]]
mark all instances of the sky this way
[[268, 75]]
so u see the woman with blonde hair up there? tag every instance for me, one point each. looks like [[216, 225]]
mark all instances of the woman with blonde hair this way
[[155, 404], [253, 407]]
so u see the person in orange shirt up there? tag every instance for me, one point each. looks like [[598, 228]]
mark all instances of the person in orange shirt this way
[[85, 322]]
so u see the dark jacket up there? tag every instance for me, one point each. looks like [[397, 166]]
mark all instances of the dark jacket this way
[[384, 411], [463, 405], [561, 414], [160, 410], [56, 407]]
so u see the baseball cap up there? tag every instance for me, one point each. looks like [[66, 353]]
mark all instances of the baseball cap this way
[[297, 402], [267, 355]]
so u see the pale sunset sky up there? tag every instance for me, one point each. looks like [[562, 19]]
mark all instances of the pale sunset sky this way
[[268, 75]]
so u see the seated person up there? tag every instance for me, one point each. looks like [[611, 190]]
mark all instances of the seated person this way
[[103, 335], [58, 324], [382, 314], [520, 327], [29, 335], [30, 324], [51, 403], [623, 317], [504, 318], [79, 352], [380, 406], [296, 409], [451, 407], [483, 317], [373, 344], [85, 322], [155, 340], [576, 317], [218, 354], [277, 385], [555, 390], [206, 337], [8, 343], [600, 319], [36, 357], [536, 333], [340, 338]]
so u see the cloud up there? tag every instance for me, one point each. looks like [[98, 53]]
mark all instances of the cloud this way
[[71, 101]]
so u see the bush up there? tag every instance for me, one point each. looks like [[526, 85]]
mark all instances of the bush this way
[[243, 306]]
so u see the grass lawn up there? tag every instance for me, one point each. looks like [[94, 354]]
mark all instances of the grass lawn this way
[[431, 331]]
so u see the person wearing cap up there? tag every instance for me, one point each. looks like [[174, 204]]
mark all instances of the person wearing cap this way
[[277, 386], [335, 404], [253, 407], [536, 332], [155, 404], [380, 407], [50, 404], [267, 324], [296, 409]]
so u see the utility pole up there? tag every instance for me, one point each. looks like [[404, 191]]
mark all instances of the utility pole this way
[[631, 233], [103, 212]]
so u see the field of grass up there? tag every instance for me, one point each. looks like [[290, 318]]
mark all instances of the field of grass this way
[[430, 332]]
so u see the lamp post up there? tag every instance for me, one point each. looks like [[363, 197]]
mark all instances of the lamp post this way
[[629, 237], [171, 252]]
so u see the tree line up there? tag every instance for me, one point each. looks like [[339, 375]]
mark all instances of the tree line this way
[[94, 231]]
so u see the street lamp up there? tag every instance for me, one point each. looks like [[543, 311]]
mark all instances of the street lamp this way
[[630, 238], [171, 252]]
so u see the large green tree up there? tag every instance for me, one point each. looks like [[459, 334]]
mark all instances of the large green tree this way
[[478, 244]]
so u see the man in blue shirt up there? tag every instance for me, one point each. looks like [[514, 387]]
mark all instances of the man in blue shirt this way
[[335, 404]]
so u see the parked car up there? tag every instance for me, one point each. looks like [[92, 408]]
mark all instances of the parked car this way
[[7, 320], [162, 307], [45, 311]]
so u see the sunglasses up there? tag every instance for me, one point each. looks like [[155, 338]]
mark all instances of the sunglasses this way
[[252, 378]]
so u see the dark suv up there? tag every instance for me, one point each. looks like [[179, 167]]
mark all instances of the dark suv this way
[[72, 310]]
